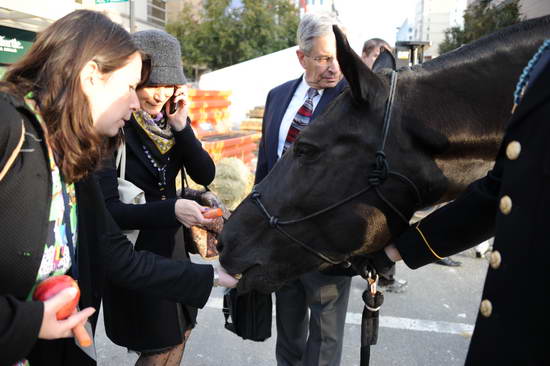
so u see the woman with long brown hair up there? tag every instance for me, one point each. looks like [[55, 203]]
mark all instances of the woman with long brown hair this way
[[62, 107]]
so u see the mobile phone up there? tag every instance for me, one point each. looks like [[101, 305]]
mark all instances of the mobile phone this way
[[173, 104]]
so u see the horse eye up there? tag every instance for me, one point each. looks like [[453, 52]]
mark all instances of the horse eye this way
[[302, 149]]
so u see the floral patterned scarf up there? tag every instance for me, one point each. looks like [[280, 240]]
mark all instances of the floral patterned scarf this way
[[158, 130]]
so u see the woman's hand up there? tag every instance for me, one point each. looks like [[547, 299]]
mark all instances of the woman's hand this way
[[189, 213], [52, 328], [178, 120]]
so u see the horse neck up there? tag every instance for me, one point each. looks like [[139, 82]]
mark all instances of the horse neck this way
[[466, 99]]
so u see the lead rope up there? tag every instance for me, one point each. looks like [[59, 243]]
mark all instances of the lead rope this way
[[373, 298]]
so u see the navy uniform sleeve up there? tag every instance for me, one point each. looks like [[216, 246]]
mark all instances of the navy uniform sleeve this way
[[462, 224]]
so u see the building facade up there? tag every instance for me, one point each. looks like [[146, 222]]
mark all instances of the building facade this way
[[527, 8], [307, 6], [405, 32], [175, 7], [432, 18], [20, 20], [534, 8]]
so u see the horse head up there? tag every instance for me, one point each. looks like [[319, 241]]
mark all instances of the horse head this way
[[354, 177]]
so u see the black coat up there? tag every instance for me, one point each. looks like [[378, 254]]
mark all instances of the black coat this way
[[103, 252], [132, 319], [512, 203]]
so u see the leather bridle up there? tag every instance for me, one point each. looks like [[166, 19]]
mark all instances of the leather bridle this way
[[376, 178]]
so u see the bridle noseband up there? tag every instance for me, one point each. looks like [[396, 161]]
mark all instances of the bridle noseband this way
[[378, 175]]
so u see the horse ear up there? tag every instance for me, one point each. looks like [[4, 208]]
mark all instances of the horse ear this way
[[384, 61], [362, 81]]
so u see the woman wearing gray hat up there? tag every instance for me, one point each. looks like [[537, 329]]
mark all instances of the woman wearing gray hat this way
[[158, 145]]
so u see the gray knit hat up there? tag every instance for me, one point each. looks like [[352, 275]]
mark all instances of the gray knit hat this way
[[165, 53]]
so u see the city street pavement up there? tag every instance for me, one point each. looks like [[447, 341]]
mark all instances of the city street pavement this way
[[428, 325]]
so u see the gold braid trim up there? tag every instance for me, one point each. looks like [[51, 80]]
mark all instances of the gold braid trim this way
[[426, 241]]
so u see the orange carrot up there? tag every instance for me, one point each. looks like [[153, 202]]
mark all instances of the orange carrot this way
[[212, 213], [82, 336]]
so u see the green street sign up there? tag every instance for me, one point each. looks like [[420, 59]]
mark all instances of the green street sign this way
[[110, 1], [14, 43]]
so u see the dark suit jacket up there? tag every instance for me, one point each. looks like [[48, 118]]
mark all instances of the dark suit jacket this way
[[276, 104], [103, 252], [513, 322], [133, 319]]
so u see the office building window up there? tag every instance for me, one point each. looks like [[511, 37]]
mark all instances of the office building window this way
[[156, 12]]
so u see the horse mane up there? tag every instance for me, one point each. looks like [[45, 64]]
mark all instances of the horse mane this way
[[506, 39], [477, 78]]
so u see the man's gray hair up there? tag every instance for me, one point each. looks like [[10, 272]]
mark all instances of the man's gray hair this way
[[314, 25]]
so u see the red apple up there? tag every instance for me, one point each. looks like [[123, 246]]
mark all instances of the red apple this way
[[51, 286]]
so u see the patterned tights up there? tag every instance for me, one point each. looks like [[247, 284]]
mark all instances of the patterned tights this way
[[172, 357]]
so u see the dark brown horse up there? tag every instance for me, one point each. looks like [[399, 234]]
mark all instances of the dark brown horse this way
[[447, 120]]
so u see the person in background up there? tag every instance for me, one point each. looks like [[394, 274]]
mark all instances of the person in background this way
[[372, 49], [159, 145], [62, 107], [315, 338]]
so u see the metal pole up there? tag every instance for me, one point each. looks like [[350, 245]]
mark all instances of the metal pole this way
[[132, 16]]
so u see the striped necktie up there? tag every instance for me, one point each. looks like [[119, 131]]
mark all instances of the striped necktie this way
[[302, 118]]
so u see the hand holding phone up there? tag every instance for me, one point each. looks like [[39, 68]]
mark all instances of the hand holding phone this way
[[173, 104], [176, 108]]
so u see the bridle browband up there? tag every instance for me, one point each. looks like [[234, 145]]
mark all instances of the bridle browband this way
[[378, 176]]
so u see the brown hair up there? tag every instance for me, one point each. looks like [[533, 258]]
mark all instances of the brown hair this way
[[51, 71]]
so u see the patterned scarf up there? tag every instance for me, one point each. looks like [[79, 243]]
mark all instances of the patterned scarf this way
[[158, 131]]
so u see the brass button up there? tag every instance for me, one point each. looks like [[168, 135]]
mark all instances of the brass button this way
[[486, 308], [513, 149], [495, 259], [505, 205]]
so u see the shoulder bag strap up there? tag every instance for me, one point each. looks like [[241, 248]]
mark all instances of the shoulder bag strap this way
[[121, 160]]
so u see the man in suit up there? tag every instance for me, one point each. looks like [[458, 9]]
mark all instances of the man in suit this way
[[289, 108], [511, 203]]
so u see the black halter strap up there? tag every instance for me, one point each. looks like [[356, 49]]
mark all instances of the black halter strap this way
[[378, 175]]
